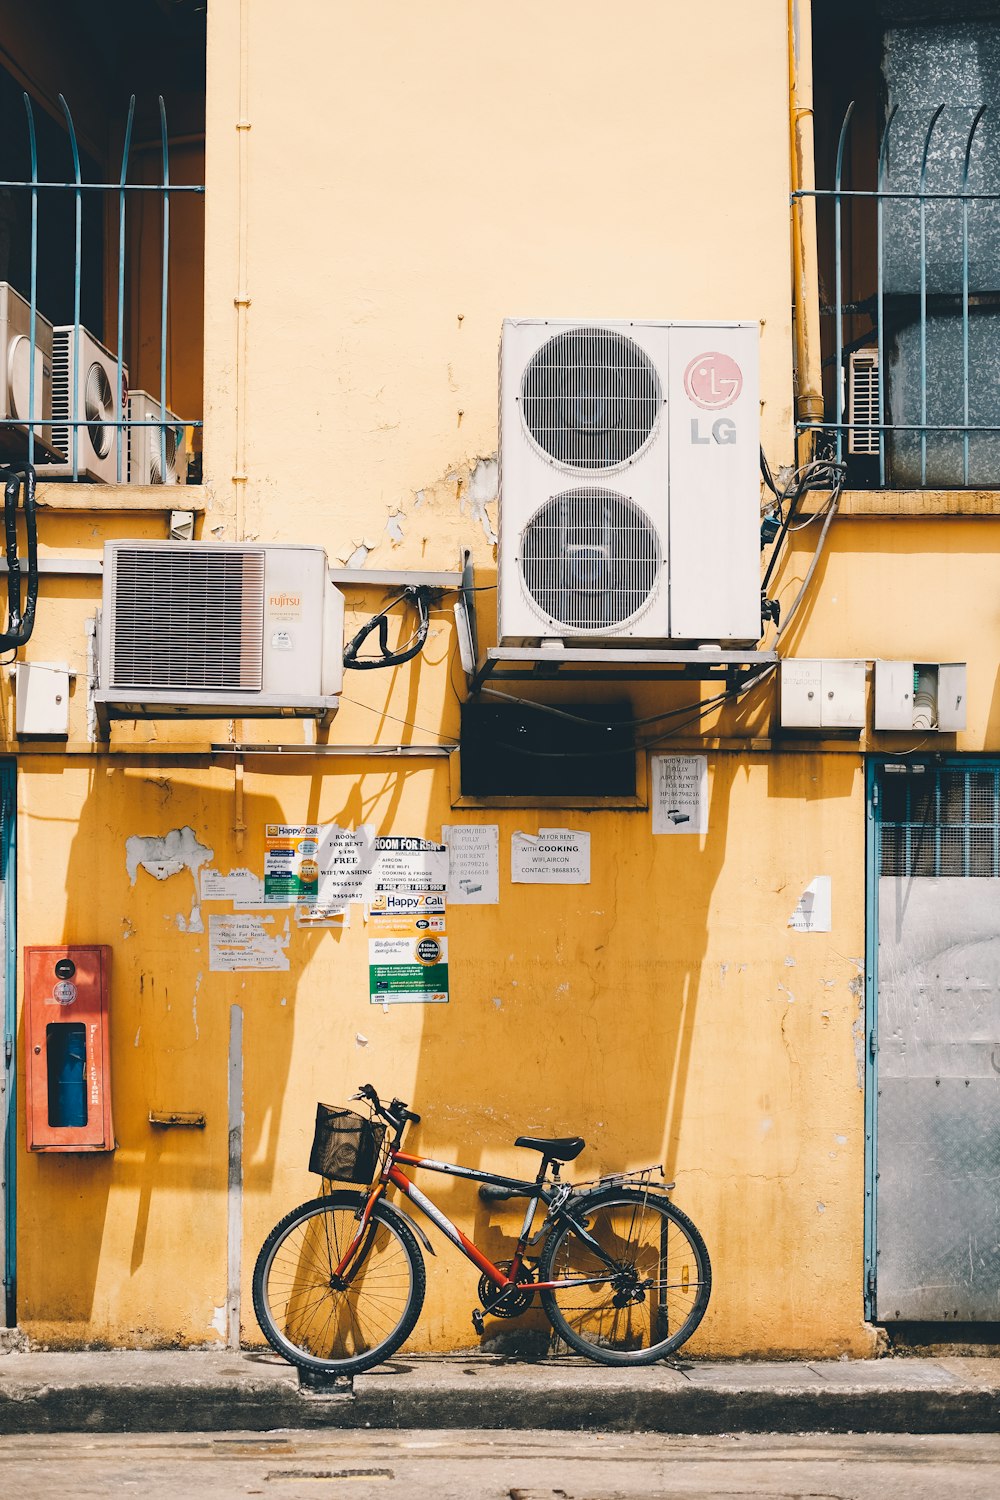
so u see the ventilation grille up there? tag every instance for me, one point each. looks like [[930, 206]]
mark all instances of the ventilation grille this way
[[591, 398], [188, 619], [590, 559], [864, 415], [939, 822], [143, 446], [98, 401]]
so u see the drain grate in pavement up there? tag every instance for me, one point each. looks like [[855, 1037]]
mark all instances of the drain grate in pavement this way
[[331, 1474]]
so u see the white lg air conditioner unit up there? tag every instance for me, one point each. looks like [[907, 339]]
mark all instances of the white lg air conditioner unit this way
[[15, 376], [94, 378], [629, 482], [149, 446], [212, 630]]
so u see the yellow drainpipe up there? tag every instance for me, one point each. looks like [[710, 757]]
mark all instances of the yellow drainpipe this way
[[805, 260]]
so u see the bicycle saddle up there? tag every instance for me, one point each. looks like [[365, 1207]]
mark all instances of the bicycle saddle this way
[[563, 1148]]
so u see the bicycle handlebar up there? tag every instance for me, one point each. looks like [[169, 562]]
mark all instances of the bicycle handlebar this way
[[397, 1113]]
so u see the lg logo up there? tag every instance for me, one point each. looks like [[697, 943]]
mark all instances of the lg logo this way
[[713, 381]]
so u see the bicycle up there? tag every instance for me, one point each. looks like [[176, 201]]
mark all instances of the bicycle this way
[[623, 1275]]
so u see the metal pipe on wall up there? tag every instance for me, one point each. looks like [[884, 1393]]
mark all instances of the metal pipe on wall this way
[[805, 258]]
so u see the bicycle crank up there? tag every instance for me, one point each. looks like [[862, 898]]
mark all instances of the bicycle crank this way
[[503, 1304]]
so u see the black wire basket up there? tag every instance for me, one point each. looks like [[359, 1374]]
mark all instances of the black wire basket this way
[[346, 1146]]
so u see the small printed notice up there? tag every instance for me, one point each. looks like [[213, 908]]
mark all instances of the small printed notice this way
[[407, 948], [245, 942], [317, 864], [408, 863], [814, 911], [309, 917], [474, 863], [238, 885], [679, 793], [552, 856]]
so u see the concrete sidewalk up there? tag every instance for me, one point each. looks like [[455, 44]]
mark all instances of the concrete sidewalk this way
[[200, 1391]]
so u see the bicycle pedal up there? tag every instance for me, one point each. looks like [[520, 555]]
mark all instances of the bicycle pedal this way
[[478, 1322]]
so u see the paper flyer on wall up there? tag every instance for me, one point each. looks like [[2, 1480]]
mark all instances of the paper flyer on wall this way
[[245, 942], [552, 856], [679, 793], [814, 909], [473, 863], [403, 862], [407, 948], [317, 864]]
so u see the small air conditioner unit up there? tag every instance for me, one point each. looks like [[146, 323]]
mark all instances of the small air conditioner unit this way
[[147, 446], [629, 483], [15, 376], [862, 403], [94, 380], [213, 630]]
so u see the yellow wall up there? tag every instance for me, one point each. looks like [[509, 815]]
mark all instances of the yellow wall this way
[[404, 177]]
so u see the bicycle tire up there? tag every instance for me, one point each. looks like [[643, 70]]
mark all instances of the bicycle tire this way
[[614, 1324], [339, 1331]]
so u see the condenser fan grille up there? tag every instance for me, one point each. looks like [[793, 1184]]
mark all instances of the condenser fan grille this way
[[98, 403], [590, 398], [590, 559]]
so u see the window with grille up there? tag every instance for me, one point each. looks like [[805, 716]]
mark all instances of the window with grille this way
[[939, 820]]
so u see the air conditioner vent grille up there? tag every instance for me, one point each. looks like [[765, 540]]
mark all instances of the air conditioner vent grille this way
[[590, 398], [590, 559], [188, 619], [864, 415]]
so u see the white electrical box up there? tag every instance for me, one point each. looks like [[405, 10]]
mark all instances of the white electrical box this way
[[41, 694], [823, 694], [629, 482], [921, 696]]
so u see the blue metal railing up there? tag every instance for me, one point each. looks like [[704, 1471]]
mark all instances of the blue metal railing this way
[[925, 427], [122, 422]]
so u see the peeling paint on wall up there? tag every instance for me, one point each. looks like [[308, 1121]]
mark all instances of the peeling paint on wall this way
[[481, 490], [168, 855], [162, 857]]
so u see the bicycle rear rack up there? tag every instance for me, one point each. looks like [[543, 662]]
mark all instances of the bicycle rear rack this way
[[641, 1177]]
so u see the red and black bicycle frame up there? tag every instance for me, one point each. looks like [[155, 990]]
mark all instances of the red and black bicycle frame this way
[[535, 1191]]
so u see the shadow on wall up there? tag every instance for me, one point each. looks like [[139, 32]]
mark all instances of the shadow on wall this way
[[573, 1011], [135, 1240]]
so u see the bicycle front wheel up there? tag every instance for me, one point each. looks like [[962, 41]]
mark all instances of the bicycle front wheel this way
[[642, 1286], [340, 1325]]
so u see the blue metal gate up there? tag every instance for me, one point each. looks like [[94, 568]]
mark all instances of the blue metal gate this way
[[933, 1041], [8, 1101]]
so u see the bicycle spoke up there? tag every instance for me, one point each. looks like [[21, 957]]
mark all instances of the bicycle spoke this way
[[654, 1296]]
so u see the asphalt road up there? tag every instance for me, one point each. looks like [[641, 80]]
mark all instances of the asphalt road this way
[[495, 1466]]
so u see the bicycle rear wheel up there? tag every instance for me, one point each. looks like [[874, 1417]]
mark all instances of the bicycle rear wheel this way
[[315, 1319], [652, 1296]]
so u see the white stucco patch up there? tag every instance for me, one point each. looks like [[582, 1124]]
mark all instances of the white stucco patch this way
[[167, 855], [481, 491]]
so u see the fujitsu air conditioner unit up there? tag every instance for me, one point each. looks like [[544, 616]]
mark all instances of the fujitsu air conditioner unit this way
[[147, 446], [94, 379], [212, 630], [862, 402], [629, 483], [15, 376]]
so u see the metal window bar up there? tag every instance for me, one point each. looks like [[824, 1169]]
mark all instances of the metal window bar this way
[[879, 197], [165, 189], [944, 821]]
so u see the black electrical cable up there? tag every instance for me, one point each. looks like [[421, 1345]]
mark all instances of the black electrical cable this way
[[816, 475], [20, 621], [652, 741], [419, 598]]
